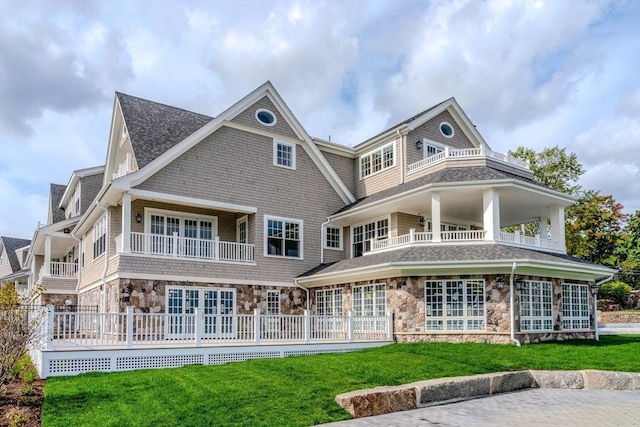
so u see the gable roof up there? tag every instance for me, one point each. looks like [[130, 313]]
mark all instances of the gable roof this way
[[10, 245], [56, 193], [154, 128]]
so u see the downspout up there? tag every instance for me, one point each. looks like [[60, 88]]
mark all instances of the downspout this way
[[403, 146], [595, 304], [103, 302], [295, 281], [512, 302], [322, 237], [79, 266]]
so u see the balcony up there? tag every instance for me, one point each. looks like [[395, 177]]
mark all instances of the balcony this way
[[464, 236], [126, 167], [466, 154], [187, 248], [59, 269]]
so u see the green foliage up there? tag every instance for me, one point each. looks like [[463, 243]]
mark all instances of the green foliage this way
[[29, 374], [628, 251], [300, 391], [553, 167], [593, 228], [616, 291], [19, 420], [8, 295]]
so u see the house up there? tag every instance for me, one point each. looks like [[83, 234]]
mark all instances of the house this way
[[13, 266], [221, 220]]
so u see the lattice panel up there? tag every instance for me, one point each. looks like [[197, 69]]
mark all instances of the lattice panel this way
[[216, 359], [146, 362], [76, 366], [311, 352]]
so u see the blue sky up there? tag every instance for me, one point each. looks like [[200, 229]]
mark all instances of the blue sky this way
[[529, 73]]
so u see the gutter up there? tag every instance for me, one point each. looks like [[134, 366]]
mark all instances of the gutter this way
[[103, 301], [512, 302], [403, 146], [295, 282], [322, 237], [595, 304], [79, 267]]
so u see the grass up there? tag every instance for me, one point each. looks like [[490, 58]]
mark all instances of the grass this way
[[300, 391]]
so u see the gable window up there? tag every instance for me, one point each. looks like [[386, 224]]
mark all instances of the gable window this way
[[333, 238], [454, 305], [363, 234], [535, 306], [284, 154], [266, 117], [100, 237], [446, 130], [283, 237], [575, 306], [377, 160]]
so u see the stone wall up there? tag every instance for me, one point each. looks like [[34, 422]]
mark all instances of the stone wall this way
[[618, 317], [58, 299]]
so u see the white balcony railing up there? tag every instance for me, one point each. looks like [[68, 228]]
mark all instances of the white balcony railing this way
[[126, 167], [185, 247], [90, 330], [59, 269], [522, 240], [467, 153]]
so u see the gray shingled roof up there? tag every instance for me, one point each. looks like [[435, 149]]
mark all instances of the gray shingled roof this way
[[404, 122], [446, 253], [57, 191], [10, 245], [154, 128], [447, 175]]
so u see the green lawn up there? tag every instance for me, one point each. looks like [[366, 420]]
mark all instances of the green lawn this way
[[300, 391]]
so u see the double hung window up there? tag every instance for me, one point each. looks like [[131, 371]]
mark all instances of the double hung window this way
[[284, 154], [283, 237], [333, 238], [100, 237]]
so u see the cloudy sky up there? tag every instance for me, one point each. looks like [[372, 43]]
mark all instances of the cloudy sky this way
[[529, 73]]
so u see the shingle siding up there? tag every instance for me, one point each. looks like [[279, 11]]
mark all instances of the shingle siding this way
[[248, 117], [344, 167], [89, 188]]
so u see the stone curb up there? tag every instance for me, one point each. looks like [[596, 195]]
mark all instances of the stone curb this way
[[384, 400]]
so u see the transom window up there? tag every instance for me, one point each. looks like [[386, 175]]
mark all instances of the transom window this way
[[283, 237], [376, 161], [454, 305], [575, 306], [333, 238], [536, 312], [363, 234], [100, 236], [370, 300], [284, 155], [329, 302]]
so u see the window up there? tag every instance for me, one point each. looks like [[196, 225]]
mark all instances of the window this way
[[370, 300], [454, 305], [575, 306], [217, 305], [333, 238], [535, 306], [241, 230], [447, 130], [266, 117], [284, 155], [273, 303], [376, 161], [329, 302], [283, 237], [431, 150], [198, 232], [99, 237], [363, 234]]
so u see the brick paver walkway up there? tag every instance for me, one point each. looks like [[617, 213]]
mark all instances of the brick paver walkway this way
[[534, 407]]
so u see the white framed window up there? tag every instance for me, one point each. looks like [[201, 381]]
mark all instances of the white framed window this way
[[362, 234], [377, 160], [329, 302], [273, 303], [536, 311], [575, 306], [370, 300], [242, 230], [217, 304], [333, 238], [283, 237], [447, 130], [266, 117], [454, 305], [284, 154], [100, 236]]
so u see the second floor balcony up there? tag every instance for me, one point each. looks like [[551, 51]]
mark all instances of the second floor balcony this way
[[59, 269], [466, 154]]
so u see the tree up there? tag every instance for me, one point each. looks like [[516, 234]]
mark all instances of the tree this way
[[19, 327], [593, 228], [628, 251]]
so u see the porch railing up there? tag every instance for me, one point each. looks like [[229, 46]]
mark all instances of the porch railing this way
[[186, 247], [59, 269], [89, 330], [520, 239], [467, 153]]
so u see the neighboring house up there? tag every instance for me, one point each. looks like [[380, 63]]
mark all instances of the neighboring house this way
[[54, 254], [246, 211], [13, 265]]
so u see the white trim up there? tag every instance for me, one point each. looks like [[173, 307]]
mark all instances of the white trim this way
[[383, 168], [75, 179], [333, 148], [453, 131], [191, 201], [340, 237], [265, 236], [264, 110], [276, 143]]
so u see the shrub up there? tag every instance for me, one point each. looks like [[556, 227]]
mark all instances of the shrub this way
[[27, 390], [616, 291], [28, 374]]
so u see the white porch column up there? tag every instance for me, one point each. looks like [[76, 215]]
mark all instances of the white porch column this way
[[556, 217], [126, 224], [491, 213], [47, 256], [435, 218]]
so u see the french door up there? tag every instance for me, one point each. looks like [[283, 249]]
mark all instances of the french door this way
[[218, 306], [195, 235]]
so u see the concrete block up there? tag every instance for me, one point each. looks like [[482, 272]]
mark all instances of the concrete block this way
[[504, 382], [378, 401], [558, 379], [441, 390]]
